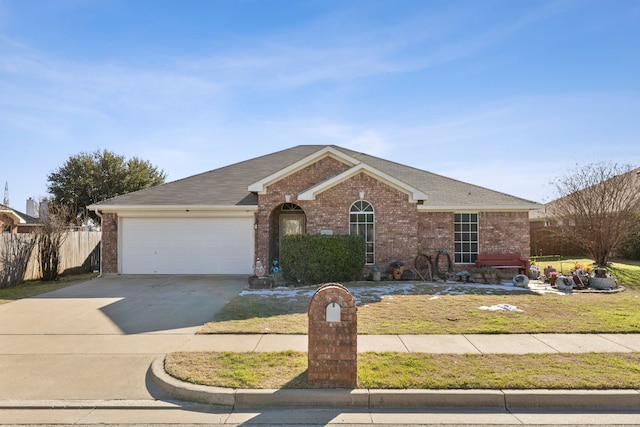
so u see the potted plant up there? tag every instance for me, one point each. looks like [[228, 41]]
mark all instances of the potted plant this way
[[580, 275], [602, 280], [463, 276], [548, 270], [484, 274], [553, 276], [397, 268]]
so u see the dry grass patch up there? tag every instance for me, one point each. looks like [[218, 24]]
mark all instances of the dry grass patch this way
[[421, 309], [456, 314], [240, 370], [417, 371]]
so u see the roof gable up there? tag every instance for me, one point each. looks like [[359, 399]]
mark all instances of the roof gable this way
[[260, 186], [414, 194], [17, 217]]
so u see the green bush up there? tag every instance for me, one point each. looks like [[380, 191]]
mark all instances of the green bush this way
[[629, 248], [311, 259]]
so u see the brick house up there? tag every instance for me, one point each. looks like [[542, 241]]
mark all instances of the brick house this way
[[12, 221], [221, 221]]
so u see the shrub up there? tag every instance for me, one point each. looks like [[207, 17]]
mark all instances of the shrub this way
[[629, 247], [310, 259]]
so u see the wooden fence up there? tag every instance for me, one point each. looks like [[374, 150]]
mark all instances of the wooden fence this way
[[544, 241], [80, 252]]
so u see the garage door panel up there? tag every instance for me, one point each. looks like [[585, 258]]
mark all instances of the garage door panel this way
[[187, 246]]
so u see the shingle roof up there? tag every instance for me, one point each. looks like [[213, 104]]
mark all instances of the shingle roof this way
[[28, 220], [228, 186]]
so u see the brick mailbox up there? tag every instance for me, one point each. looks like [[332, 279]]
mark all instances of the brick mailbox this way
[[333, 338]]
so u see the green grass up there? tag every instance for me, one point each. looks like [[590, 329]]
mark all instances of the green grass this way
[[417, 371], [33, 288], [627, 273]]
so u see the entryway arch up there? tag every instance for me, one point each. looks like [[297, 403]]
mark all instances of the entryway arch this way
[[286, 219]]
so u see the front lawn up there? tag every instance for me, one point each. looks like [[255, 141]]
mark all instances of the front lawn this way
[[416, 371], [415, 308]]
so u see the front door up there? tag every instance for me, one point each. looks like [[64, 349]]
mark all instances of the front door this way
[[291, 224], [288, 219]]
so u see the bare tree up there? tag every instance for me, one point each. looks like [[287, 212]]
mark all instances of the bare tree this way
[[597, 207], [15, 251], [50, 237]]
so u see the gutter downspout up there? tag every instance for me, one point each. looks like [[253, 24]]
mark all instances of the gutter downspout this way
[[101, 242]]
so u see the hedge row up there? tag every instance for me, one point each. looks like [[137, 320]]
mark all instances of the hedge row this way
[[310, 259]]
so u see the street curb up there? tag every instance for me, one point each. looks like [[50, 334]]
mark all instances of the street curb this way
[[576, 399], [385, 399], [87, 404]]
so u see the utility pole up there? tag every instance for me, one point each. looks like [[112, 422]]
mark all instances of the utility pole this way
[[6, 194]]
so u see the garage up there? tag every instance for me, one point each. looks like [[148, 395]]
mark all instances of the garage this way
[[186, 245]]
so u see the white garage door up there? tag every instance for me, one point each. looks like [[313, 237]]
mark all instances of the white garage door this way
[[186, 245]]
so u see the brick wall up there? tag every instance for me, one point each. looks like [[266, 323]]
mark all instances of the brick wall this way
[[396, 220], [275, 197], [109, 243], [435, 230], [504, 232]]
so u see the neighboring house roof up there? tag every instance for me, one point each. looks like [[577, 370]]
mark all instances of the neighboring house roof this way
[[238, 185], [546, 213], [19, 218]]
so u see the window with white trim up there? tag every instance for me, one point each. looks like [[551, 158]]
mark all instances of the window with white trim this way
[[361, 222], [466, 237]]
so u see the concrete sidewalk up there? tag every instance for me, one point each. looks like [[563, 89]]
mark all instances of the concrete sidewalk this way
[[451, 344]]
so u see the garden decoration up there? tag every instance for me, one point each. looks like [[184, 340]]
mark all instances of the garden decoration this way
[[520, 280], [396, 270], [602, 280]]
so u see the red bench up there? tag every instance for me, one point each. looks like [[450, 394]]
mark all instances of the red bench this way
[[503, 262]]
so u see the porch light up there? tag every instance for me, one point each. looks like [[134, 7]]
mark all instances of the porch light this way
[[114, 226]]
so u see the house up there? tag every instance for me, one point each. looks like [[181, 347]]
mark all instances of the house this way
[[12, 221], [597, 200], [222, 221]]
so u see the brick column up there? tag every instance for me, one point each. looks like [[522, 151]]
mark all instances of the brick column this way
[[333, 338], [109, 243]]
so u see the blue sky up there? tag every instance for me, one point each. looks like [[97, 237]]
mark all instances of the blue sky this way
[[503, 94]]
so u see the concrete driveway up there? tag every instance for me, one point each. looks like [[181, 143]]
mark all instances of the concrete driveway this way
[[96, 340]]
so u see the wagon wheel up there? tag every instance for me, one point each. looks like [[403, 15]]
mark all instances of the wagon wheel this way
[[424, 267]]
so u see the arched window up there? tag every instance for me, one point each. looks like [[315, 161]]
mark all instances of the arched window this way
[[361, 222]]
